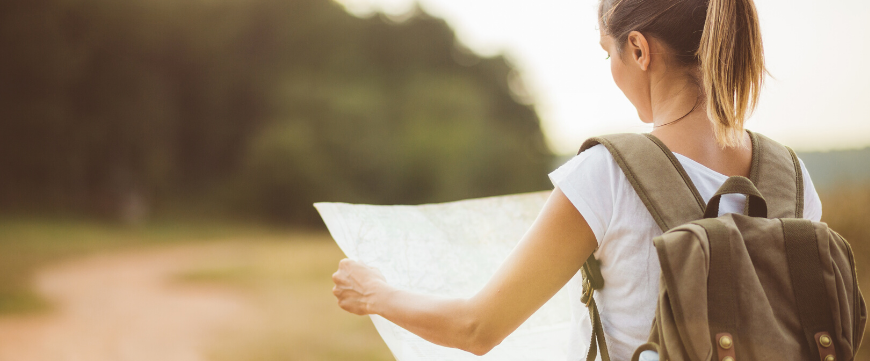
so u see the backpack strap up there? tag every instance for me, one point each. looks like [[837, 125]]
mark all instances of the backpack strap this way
[[776, 172], [665, 189], [807, 278], [656, 175], [722, 289]]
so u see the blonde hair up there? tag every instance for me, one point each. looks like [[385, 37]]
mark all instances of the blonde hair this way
[[732, 67], [721, 37]]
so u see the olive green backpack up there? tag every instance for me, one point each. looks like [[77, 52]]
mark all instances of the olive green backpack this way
[[767, 285]]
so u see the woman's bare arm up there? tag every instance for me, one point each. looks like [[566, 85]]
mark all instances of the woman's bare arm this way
[[549, 254]]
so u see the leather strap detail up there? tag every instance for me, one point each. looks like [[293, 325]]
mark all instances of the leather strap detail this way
[[725, 347], [826, 347]]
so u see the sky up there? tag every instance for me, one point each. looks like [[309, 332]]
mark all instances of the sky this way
[[818, 54]]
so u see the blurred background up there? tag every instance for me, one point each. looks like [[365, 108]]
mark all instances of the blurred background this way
[[159, 159]]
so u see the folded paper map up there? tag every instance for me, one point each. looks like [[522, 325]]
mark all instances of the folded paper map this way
[[451, 250]]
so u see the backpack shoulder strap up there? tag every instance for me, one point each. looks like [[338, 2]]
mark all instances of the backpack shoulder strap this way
[[776, 172], [665, 189], [656, 175]]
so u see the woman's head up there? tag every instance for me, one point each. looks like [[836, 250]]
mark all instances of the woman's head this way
[[718, 40]]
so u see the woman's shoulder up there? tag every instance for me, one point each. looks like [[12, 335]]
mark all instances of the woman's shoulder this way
[[591, 181], [595, 161]]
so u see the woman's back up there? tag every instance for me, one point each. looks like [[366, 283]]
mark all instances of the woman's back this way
[[624, 230]]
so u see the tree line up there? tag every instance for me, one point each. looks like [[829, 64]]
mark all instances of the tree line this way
[[255, 108]]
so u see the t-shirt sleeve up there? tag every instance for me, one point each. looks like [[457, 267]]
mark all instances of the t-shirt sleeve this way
[[812, 203], [587, 180]]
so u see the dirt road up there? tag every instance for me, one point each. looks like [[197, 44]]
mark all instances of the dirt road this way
[[123, 307]]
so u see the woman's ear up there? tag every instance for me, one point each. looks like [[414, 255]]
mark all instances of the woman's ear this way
[[638, 49]]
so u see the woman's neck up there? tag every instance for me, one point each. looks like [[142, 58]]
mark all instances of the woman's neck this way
[[674, 96], [679, 117]]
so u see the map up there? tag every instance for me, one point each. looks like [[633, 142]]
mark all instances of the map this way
[[451, 250]]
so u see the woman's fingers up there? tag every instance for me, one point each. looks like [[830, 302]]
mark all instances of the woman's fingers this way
[[353, 283]]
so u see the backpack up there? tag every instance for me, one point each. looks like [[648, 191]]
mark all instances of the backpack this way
[[767, 285]]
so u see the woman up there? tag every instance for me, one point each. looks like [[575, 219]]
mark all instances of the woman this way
[[693, 69]]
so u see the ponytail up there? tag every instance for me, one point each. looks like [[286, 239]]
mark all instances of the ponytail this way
[[732, 66]]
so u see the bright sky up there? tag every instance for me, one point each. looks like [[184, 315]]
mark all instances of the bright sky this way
[[817, 51]]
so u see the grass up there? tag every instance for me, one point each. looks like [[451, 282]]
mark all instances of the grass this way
[[297, 316], [284, 273], [28, 243]]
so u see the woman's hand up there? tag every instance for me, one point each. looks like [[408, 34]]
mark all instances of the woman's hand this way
[[356, 286]]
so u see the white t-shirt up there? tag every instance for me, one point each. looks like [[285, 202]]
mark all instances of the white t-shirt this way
[[595, 184]]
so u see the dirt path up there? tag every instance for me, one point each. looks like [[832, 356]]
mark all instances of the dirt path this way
[[123, 307]]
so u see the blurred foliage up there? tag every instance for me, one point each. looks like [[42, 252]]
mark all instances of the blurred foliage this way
[[256, 107]]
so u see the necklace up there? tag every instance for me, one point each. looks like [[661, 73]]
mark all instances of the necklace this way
[[697, 101]]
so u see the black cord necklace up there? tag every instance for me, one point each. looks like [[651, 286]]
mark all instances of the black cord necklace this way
[[697, 101]]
